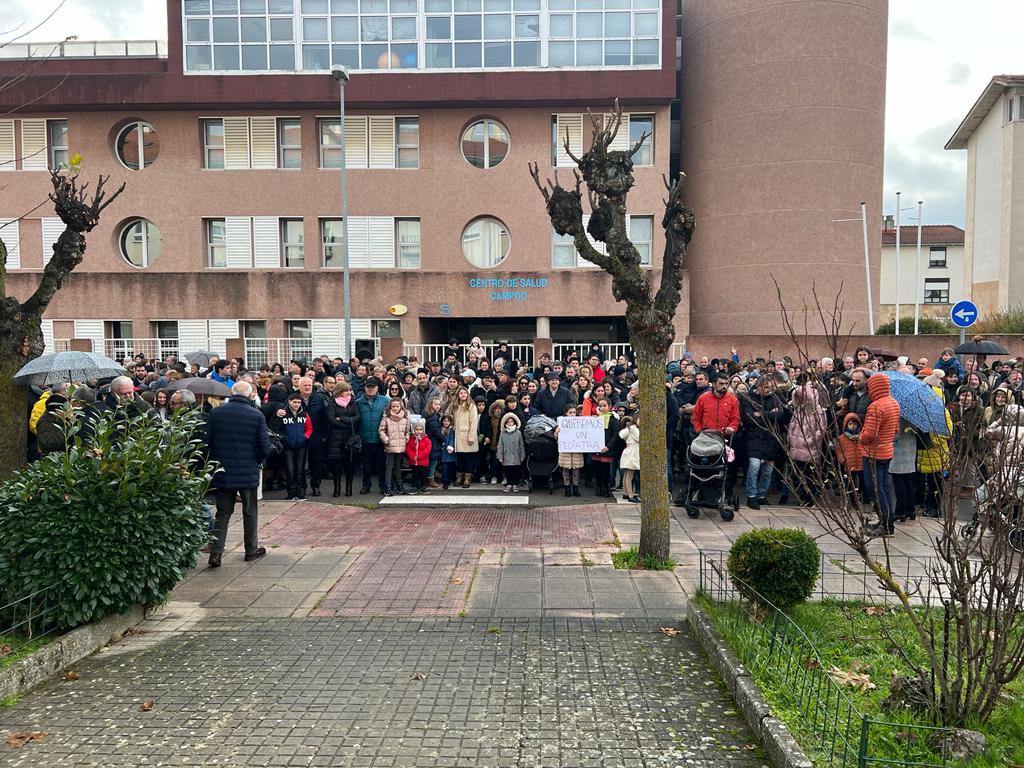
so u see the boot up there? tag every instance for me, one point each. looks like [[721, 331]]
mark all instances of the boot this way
[[458, 480], [432, 484], [315, 490], [575, 490], [467, 480], [337, 488], [568, 490], [348, 486]]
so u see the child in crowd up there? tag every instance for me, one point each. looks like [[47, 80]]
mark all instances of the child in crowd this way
[[630, 459], [296, 428], [511, 451], [571, 463], [448, 450], [849, 455], [394, 435], [491, 426], [602, 461], [418, 452]]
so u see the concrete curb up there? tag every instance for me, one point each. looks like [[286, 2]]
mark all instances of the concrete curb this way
[[28, 672], [783, 750]]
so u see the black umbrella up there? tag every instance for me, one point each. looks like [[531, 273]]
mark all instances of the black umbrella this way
[[978, 346]]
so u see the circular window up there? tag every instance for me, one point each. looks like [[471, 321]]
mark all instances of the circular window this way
[[140, 243], [485, 143], [137, 145], [485, 242]]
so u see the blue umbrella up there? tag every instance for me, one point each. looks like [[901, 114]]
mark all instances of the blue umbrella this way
[[919, 405]]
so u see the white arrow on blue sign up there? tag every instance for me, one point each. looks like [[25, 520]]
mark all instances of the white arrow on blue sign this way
[[964, 314]]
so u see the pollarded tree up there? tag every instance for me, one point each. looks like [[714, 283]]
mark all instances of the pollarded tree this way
[[608, 175], [21, 334]]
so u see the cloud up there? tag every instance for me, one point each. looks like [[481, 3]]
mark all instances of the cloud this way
[[905, 29], [936, 177], [959, 73]]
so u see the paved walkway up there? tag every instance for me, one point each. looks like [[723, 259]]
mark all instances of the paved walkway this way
[[414, 637]]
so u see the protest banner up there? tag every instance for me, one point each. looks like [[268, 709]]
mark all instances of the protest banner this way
[[580, 434]]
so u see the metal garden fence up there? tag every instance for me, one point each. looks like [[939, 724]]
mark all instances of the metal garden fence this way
[[28, 617], [832, 728]]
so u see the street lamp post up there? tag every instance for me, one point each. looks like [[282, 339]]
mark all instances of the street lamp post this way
[[340, 74]]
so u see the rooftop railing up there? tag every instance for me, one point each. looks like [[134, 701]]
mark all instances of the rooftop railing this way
[[85, 49]]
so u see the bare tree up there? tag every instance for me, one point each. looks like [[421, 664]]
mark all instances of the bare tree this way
[[608, 175], [21, 335]]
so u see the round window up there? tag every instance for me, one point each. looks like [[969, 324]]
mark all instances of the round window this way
[[485, 143], [137, 145], [485, 242], [140, 243]]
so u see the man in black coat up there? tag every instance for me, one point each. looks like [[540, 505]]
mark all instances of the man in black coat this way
[[236, 434], [553, 401]]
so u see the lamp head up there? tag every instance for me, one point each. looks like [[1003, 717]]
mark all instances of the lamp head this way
[[339, 73]]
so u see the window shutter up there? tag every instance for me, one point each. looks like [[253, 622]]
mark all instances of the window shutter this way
[[33, 145], [355, 142], [382, 142], [326, 337], [264, 141], [92, 330], [7, 145], [220, 332], [52, 230], [382, 242], [358, 242], [10, 233], [236, 142], [580, 261], [266, 238], [574, 125], [47, 328], [238, 232], [621, 141], [192, 335]]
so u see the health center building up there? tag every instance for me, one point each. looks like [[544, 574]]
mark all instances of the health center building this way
[[228, 234]]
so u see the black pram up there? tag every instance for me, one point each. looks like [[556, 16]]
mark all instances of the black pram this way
[[541, 451], [707, 468]]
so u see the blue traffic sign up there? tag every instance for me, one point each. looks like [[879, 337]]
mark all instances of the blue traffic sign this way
[[964, 314]]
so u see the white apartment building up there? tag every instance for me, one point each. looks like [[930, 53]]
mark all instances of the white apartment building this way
[[936, 284]]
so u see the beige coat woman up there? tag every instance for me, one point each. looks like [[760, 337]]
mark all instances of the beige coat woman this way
[[466, 424]]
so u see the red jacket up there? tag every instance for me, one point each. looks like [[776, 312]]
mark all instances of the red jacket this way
[[418, 451], [881, 421], [713, 412]]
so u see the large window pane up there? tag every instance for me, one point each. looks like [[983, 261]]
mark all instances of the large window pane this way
[[345, 55], [645, 24], [254, 57], [616, 24], [254, 30], [497, 54], [527, 26], [616, 52], [439, 28], [281, 6], [408, 239], [198, 57], [403, 56], [254, 6], [645, 51], [438, 6], [638, 126], [497, 5], [560, 54], [527, 54], [314, 6], [467, 6], [225, 7], [588, 25], [281, 29], [485, 242], [344, 29], [439, 55], [588, 53], [561, 25], [197, 30], [282, 57], [225, 57], [344, 6], [526, 5], [467, 55], [467, 28], [375, 28], [403, 28], [197, 7], [403, 6], [375, 57], [316, 57], [314, 30], [497, 26], [373, 6], [225, 30]]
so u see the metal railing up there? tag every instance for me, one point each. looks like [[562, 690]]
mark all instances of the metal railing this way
[[126, 349], [611, 351], [776, 649], [269, 351], [85, 49], [28, 618], [428, 353]]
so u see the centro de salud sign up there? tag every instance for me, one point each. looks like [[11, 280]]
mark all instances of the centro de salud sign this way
[[516, 287]]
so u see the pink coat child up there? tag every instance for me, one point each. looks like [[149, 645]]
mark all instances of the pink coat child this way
[[805, 436]]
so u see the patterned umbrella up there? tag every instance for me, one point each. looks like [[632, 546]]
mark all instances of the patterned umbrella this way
[[919, 405], [67, 367]]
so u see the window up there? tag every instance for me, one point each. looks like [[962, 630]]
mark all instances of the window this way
[[937, 256], [289, 143], [485, 242], [330, 143], [137, 145], [407, 145], [213, 143], [140, 243], [641, 232], [257, 348], [57, 143], [1014, 108], [563, 250], [216, 243], [407, 238], [167, 334], [638, 126], [300, 336], [331, 236], [292, 249], [485, 143], [936, 290]]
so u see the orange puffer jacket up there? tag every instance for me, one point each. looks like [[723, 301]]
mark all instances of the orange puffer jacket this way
[[881, 421]]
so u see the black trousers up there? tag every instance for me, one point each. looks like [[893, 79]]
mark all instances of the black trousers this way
[[316, 451], [906, 492], [342, 464], [373, 464], [295, 465], [250, 518]]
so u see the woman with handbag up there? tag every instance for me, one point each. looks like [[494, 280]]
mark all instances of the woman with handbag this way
[[343, 436]]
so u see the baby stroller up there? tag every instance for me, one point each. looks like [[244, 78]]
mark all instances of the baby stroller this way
[[707, 467], [541, 451], [1009, 513]]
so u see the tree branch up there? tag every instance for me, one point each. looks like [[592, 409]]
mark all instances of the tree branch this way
[[679, 223]]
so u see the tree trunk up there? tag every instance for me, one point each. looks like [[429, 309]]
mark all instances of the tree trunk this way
[[19, 343], [654, 509]]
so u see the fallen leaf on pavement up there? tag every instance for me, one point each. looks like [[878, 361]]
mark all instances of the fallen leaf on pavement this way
[[670, 631], [855, 679], [874, 610], [147, 705], [70, 675], [419, 676], [457, 580], [18, 740], [5, 649]]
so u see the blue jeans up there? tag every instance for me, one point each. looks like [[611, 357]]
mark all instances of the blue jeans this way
[[878, 481], [759, 478]]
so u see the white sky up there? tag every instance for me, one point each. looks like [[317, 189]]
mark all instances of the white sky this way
[[941, 55]]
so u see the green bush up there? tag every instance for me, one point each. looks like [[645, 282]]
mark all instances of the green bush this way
[[114, 521], [779, 564], [1008, 322], [925, 325]]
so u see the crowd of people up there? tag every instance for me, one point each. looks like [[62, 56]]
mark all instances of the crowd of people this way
[[417, 426]]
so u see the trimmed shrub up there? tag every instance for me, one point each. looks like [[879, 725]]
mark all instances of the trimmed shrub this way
[[114, 521], [779, 564], [925, 325]]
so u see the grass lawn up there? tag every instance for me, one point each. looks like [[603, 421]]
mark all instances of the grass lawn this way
[[14, 648], [851, 639]]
